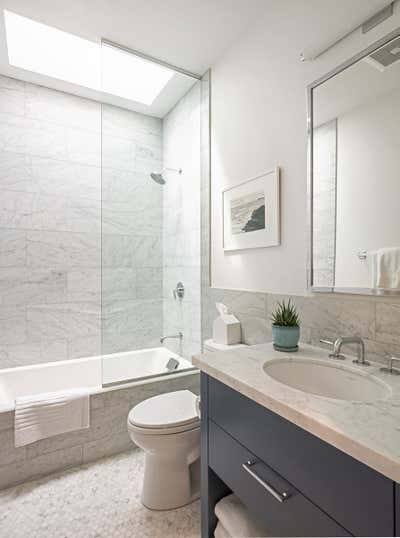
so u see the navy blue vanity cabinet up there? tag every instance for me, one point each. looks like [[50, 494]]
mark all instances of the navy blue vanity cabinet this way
[[328, 493]]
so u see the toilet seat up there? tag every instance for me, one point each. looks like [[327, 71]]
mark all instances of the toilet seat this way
[[173, 412]]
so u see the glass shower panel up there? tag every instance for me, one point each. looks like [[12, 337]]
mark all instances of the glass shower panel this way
[[150, 223]]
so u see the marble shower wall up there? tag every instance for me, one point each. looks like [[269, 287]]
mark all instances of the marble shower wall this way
[[132, 221], [50, 226], [181, 229]]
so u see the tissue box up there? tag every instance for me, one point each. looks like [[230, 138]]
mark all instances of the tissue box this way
[[227, 330]]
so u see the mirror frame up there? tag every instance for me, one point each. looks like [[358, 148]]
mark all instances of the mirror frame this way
[[310, 88]]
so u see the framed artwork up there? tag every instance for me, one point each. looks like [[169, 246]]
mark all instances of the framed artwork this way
[[251, 213]]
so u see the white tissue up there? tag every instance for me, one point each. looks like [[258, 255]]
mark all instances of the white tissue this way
[[226, 328]]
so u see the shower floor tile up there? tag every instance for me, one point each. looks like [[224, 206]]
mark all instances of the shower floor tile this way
[[98, 500]]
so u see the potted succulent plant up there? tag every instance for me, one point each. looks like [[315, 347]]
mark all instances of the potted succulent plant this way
[[285, 327]]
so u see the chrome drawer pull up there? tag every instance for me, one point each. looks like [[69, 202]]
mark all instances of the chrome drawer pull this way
[[281, 497]]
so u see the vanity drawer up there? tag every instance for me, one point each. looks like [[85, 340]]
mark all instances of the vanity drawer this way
[[354, 495], [261, 490]]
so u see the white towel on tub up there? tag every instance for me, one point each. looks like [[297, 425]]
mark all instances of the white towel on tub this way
[[47, 414]]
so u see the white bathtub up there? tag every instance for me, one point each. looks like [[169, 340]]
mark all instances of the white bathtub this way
[[95, 373]]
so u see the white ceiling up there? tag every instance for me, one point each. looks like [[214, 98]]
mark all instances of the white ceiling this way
[[191, 34]]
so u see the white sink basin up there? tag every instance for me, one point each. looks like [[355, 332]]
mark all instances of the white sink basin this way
[[326, 379]]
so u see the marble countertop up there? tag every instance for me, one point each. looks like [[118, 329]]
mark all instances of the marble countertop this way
[[368, 431]]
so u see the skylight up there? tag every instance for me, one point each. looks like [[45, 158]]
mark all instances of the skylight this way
[[132, 77], [46, 50]]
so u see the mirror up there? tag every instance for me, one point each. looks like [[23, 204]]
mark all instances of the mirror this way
[[355, 175]]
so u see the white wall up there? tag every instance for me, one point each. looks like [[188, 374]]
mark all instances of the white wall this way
[[368, 188], [258, 104]]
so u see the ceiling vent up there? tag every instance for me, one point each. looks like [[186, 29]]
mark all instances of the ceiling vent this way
[[385, 56]]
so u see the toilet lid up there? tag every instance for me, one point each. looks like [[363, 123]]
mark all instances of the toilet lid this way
[[165, 410]]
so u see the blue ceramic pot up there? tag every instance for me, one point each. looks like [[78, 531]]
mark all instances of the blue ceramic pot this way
[[285, 337]]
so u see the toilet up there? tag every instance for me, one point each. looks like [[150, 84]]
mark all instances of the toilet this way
[[167, 428]]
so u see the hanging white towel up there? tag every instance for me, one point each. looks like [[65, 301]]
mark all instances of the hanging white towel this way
[[237, 520], [386, 263], [44, 415], [221, 532]]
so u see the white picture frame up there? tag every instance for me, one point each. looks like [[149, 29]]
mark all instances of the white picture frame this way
[[251, 213]]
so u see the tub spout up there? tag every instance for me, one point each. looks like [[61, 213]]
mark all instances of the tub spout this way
[[179, 335]]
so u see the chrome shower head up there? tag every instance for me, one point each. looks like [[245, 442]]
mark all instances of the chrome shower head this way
[[159, 178]]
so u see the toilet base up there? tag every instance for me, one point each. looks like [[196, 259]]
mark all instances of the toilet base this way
[[169, 484]]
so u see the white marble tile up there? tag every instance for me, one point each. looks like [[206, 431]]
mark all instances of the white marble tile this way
[[46, 322], [387, 322], [117, 250], [84, 147], [16, 172], [144, 338], [28, 353], [118, 153], [63, 250], [123, 218], [135, 188], [82, 319], [63, 178], [12, 101], [8, 452], [63, 321], [59, 107], [84, 346], [13, 325], [83, 284], [18, 472], [34, 211], [127, 124], [23, 286], [118, 284], [13, 135], [45, 139], [12, 248], [137, 316], [147, 251], [149, 282]]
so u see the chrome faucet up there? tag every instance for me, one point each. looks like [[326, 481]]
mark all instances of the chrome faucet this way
[[179, 335], [341, 341]]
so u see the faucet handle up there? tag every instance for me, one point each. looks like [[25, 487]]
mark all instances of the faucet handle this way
[[327, 342], [334, 355], [389, 368]]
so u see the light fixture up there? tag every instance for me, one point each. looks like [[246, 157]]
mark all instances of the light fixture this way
[[52, 52]]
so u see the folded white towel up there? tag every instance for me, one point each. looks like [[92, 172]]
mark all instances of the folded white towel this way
[[221, 532], [237, 520], [44, 415], [387, 268]]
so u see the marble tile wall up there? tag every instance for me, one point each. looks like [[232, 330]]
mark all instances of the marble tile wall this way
[[107, 434], [323, 316], [59, 156], [132, 221], [181, 227]]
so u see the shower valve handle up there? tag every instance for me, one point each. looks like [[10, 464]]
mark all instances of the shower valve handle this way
[[179, 291]]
